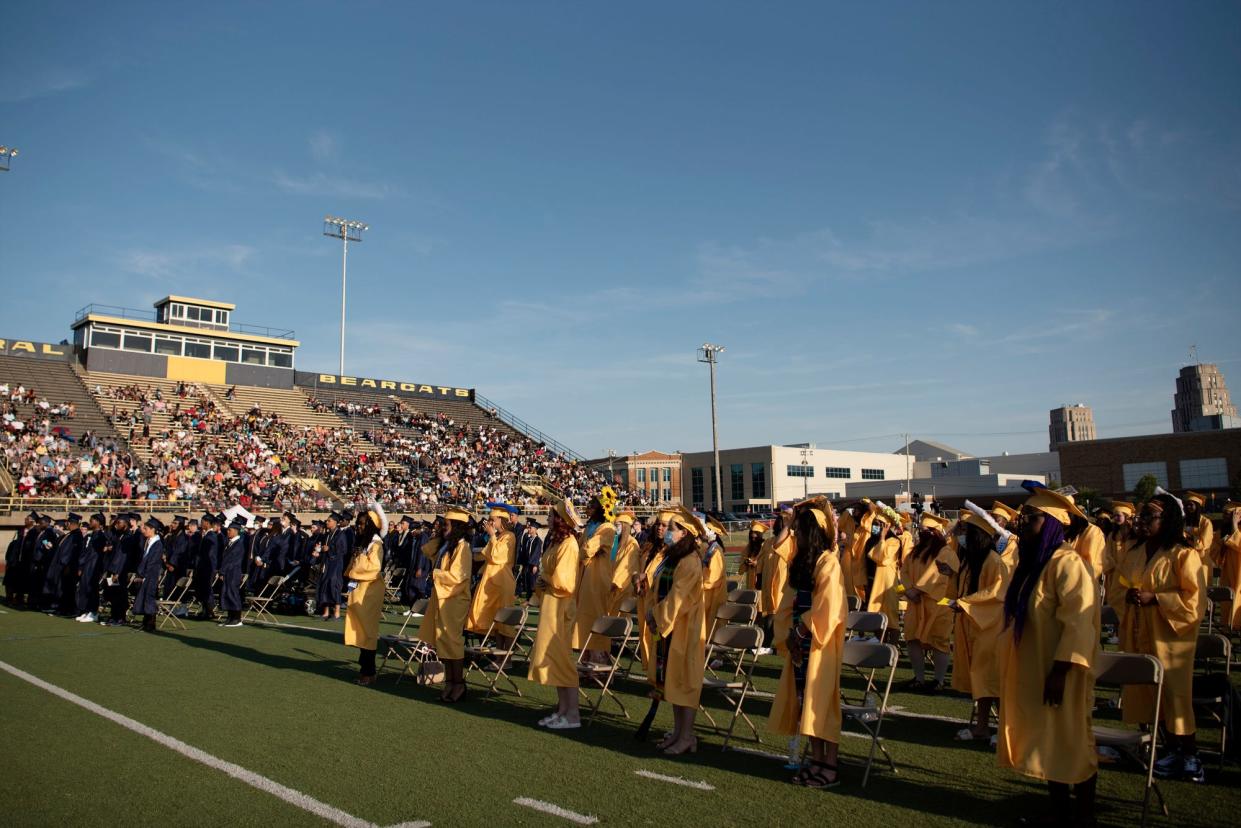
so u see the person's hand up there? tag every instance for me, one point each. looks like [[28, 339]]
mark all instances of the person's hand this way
[[1145, 598], [912, 593], [944, 569], [650, 618], [1236, 518], [1053, 687], [955, 606]]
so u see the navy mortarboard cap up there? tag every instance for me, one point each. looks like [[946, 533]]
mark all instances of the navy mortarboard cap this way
[[346, 513], [221, 519], [99, 518], [73, 518], [318, 523], [336, 516], [207, 518], [180, 518], [33, 516], [47, 518], [290, 516], [60, 524], [1031, 485], [408, 519], [135, 517], [237, 523], [154, 523]]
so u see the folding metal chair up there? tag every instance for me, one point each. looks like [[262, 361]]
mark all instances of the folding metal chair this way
[[393, 579], [628, 647], [733, 642], [601, 675], [869, 713], [1120, 670], [854, 602], [1213, 691], [1109, 621], [486, 657], [258, 604], [1217, 595], [743, 596], [729, 613], [860, 622], [176, 598], [408, 651]]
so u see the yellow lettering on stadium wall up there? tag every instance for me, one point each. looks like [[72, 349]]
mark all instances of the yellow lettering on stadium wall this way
[[411, 389], [24, 347]]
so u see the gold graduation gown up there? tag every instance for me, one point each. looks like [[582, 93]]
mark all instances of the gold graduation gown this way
[[1090, 545], [678, 617], [714, 587], [925, 620], [818, 713], [646, 601], [775, 591], [1052, 743], [594, 587], [366, 602], [1010, 555], [551, 658], [1228, 557], [747, 574], [497, 586], [1204, 539], [443, 625], [975, 657], [883, 595], [1167, 629], [623, 569], [853, 562]]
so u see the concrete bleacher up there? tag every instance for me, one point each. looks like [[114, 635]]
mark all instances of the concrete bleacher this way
[[290, 405], [462, 412], [161, 421], [57, 382]]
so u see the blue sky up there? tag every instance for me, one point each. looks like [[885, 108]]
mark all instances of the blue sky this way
[[944, 219]]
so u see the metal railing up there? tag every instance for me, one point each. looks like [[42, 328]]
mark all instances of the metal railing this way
[[138, 314], [525, 428]]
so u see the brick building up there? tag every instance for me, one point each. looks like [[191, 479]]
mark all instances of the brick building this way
[[655, 473], [1205, 461]]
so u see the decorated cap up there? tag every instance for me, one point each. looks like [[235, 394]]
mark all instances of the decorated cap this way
[[666, 516], [457, 513], [1122, 507], [565, 511], [1003, 510], [974, 520], [626, 516], [715, 526], [502, 510], [1201, 500], [688, 521], [930, 520], [758, 526], [607, 499], [1053, 503]]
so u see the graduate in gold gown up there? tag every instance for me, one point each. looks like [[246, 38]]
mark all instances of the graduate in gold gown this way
[[551, 657], [775, 576], [808, 699], [982, 583], [1201, 530], [595, 579], [626, 561], [366, 602], [1118, 537], [884, 551], [748, 572], [1164, 604], [853, 558], [1228, 558], [1047, 651], [676, 623], [652, 556], [1088, 540], [927, 573], [497, 586], [714, 577], [443, 626], [1006, 542]]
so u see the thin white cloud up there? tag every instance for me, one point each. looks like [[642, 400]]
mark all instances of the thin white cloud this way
[[323, 145], [166, 265], [961, 329], [19, 87], [322, 184]]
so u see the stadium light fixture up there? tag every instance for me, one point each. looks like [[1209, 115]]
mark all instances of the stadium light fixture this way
[[347, 231], [7, 154], [707, 354]]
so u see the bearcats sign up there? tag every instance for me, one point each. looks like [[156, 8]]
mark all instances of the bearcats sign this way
[[307, 379], [37, 350]]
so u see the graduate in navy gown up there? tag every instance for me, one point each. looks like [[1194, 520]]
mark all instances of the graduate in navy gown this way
[[148, 571], [335, 552], [232, 571], [206, 565], [13, 561], [90, 567]]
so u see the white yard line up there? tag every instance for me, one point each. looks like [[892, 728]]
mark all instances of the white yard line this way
[[289, 795], [555, 810], [675, 780], [899, 711]]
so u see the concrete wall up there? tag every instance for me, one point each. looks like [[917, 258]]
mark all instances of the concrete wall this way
[[127, 362], [263, 376]]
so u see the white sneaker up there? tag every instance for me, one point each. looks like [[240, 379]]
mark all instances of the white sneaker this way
[[231, 624], [561, 723], [764, 651], [407, 613], [546, 720], [81, 619]]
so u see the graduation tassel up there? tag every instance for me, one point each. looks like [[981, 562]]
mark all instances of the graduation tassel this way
[[645, 727]]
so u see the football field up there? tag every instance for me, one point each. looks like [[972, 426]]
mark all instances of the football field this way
[[263, 726]]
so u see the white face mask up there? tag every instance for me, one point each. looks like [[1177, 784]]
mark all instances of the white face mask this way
[[961, 540]]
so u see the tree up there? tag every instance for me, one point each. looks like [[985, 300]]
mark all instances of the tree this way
[[1087, 498], [1145, 488]]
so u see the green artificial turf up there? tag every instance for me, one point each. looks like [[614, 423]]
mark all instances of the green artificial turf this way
[[280, 702]]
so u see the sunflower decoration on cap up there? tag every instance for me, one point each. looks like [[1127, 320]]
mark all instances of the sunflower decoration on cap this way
[[607, 499]]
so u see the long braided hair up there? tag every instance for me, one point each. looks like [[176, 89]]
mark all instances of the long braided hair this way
[[1033, 554]]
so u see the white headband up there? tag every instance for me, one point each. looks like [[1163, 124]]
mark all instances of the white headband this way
[[1160, 490]]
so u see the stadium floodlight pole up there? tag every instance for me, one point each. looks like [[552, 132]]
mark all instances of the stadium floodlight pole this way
[[347, 231], [707, 354], [611, 458], [7, 154]]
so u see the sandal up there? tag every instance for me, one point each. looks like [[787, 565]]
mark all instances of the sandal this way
[[801, 776], [817, 777]]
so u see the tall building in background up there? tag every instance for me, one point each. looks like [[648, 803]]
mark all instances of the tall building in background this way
[[1070, 424], [1201, 400]]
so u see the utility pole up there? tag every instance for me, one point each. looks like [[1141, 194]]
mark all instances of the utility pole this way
[[707, 354], [908, 493]]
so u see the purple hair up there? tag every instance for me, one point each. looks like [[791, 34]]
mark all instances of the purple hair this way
[[1032, 559]]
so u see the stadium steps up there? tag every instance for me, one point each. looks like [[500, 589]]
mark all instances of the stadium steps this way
[[58, 383], [290, 404], [161, 421]]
